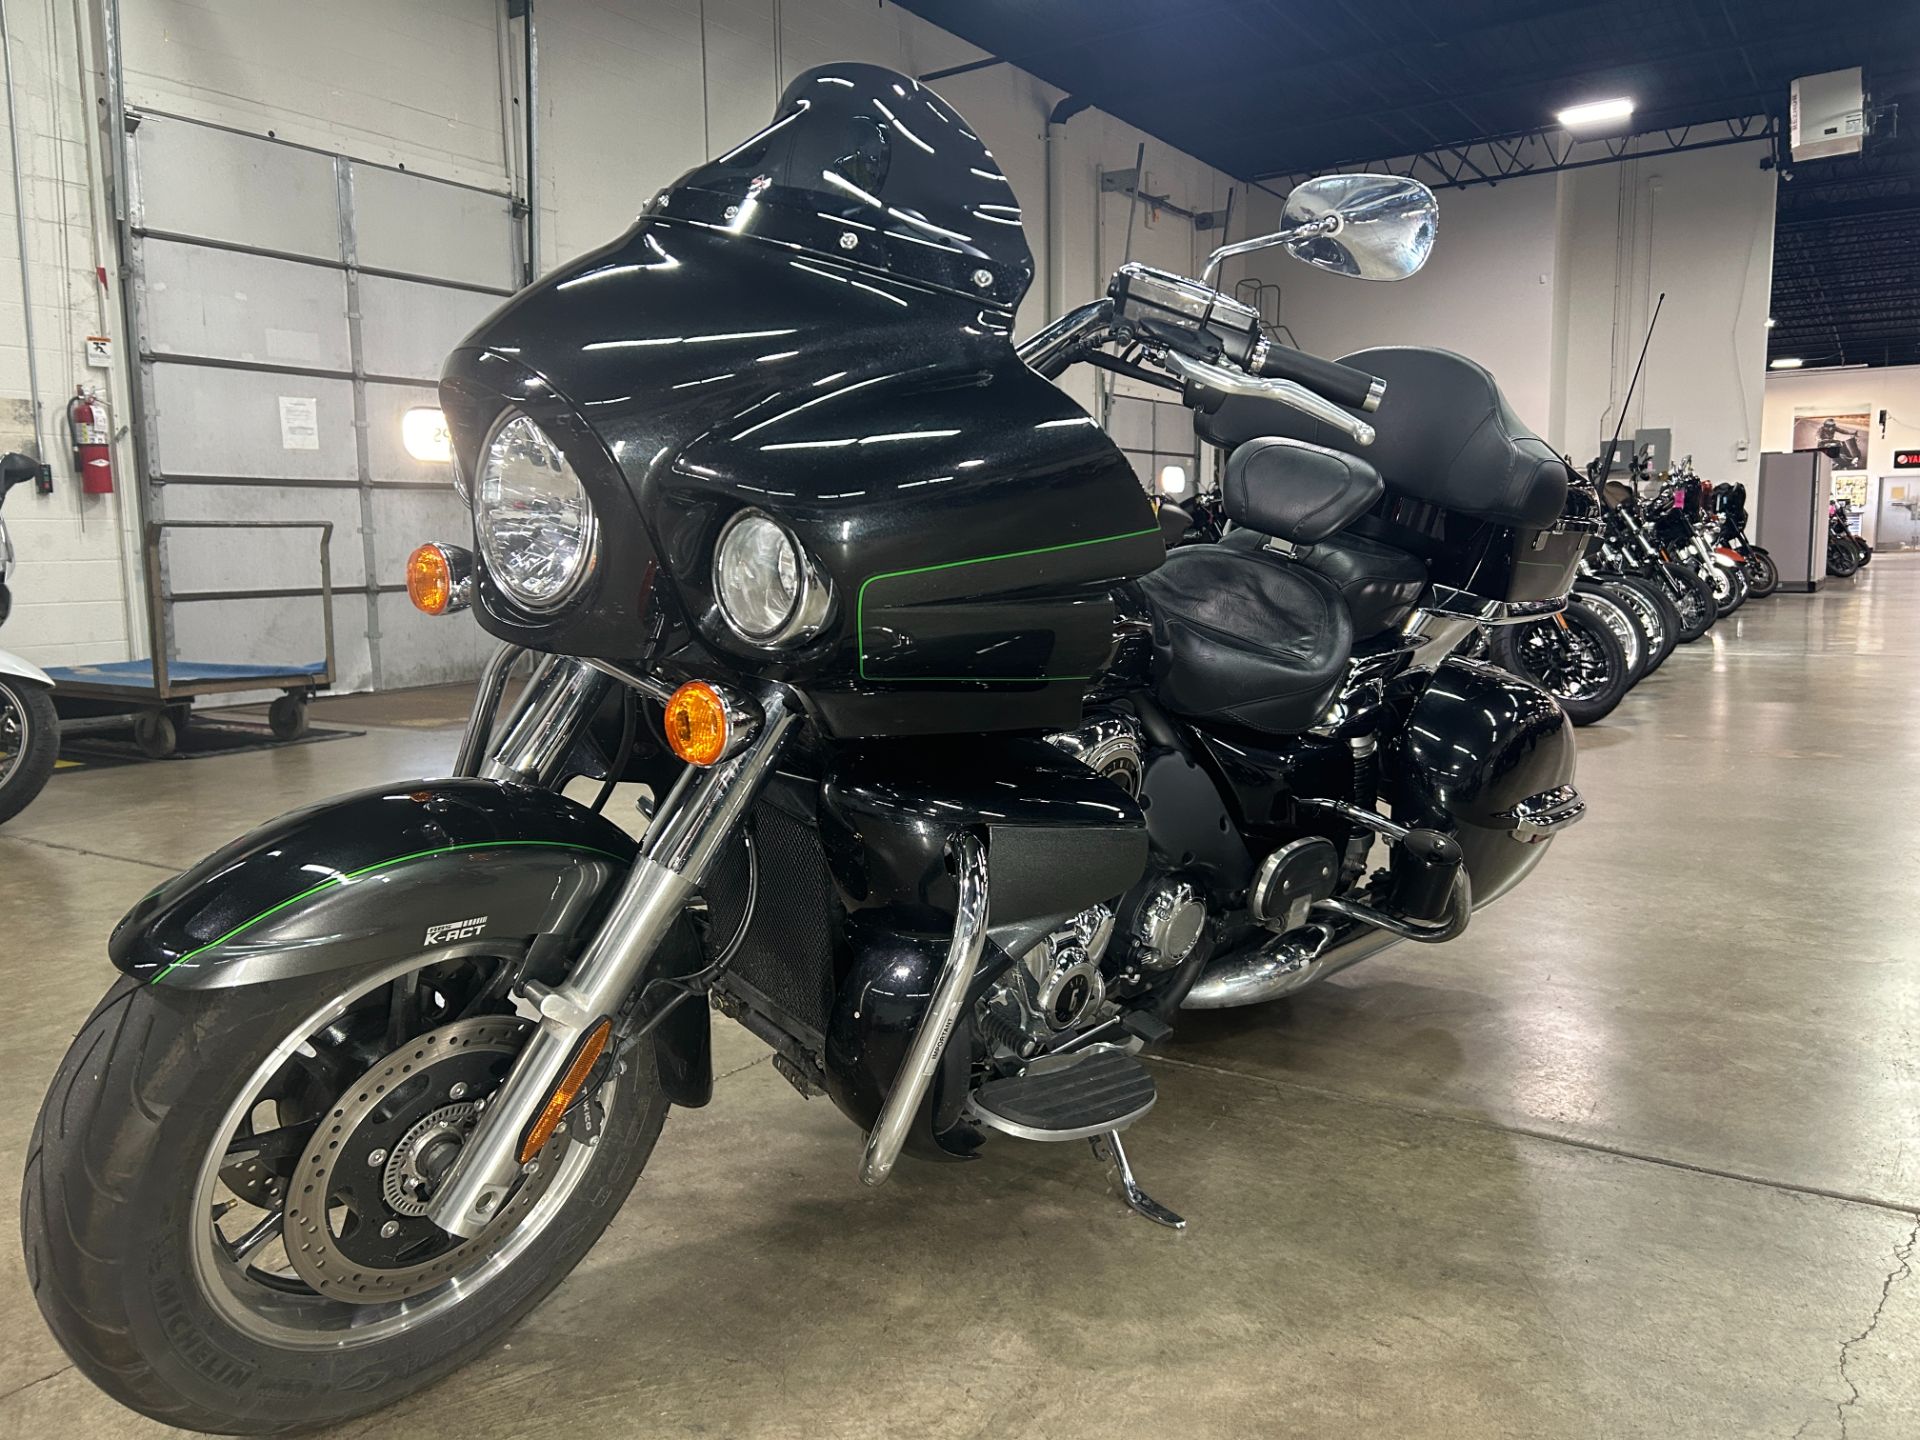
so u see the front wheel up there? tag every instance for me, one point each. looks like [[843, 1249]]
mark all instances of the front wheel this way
[[1574, 656], [1763, 578], [1842, 559], [1659, 611], [1626, 627], [1694, 599], [29, 743], [224, 1204], [1736, 594]]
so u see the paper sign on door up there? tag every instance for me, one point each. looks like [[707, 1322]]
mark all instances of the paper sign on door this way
[[299, 422]]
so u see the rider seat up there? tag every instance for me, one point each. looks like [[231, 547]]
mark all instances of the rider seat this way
[[1247, 637], [1380, 584]]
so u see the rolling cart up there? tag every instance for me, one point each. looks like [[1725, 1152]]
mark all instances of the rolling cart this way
[[159, 693]]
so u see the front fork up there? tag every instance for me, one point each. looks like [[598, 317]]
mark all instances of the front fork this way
[[688, 830]]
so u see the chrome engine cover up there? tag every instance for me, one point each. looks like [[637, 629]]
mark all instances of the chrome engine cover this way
[[1167, 924], [1109, 744], [1054, 988]]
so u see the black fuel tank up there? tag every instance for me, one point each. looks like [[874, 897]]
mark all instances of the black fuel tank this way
[[817, 325]]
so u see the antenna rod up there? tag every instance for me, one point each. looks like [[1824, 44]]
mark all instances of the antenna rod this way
[[1606, 455], [1133, 196]]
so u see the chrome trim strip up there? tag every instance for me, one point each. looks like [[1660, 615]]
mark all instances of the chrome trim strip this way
[[968, 855], [1453, 604], [1540, 817]]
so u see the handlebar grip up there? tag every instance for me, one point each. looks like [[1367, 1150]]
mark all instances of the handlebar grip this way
[[1326, 377]]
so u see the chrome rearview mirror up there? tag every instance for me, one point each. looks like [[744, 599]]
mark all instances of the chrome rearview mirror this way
[[1373, 227]]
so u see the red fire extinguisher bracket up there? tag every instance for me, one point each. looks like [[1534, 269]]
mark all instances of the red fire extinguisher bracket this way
[[91, 432]]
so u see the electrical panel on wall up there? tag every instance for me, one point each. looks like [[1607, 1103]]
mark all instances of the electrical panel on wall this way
[[1828, 114], [1660, 441]]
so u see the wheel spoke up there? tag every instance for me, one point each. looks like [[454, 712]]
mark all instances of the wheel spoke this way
[[403, 1010], [270, 1147], [261, 1235]]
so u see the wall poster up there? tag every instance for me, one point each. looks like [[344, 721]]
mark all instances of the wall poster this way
[[1841, 434]]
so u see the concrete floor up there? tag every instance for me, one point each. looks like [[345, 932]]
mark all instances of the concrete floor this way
[[1637, 1157]]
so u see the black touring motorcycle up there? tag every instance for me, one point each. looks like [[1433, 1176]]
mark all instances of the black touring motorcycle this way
[[965, 785]]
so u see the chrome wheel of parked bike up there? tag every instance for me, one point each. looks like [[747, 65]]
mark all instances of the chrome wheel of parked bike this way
[[29, 740], [1575, 657], [1624, 621]]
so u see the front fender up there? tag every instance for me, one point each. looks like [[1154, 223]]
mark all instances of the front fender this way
[[12, 664], [374, 877], [389, 873]]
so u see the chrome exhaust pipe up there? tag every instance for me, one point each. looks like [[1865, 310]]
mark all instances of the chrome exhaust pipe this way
[[1283, 964]]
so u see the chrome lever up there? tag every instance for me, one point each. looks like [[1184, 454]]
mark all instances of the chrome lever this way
[[1286, 392]]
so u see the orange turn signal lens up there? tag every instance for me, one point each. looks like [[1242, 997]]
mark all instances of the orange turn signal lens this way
[[697, 726], [555, 1110], [429, 580]]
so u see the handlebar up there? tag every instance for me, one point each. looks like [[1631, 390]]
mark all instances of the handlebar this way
[[1212, 342], [1211, 380], [1051, 349], [1326, 377]]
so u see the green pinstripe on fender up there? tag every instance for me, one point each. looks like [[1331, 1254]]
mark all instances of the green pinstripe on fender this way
[[860, 608], [334, 882]]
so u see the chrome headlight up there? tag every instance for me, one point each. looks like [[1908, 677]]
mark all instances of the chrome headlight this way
[[536, 529], [769, 589]]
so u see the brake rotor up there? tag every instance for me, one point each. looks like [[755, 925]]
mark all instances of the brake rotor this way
[[355, 1226]]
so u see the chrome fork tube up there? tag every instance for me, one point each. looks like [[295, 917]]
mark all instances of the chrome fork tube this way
[[562, 694], [687, 833], [968, 857], [486, 704]]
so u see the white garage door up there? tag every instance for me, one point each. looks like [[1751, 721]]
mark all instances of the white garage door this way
[[290, 306]]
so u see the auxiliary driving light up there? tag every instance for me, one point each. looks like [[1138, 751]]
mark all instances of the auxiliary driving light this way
[[440, 579]]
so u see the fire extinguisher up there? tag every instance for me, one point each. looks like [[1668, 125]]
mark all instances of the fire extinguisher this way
[[92, 442]]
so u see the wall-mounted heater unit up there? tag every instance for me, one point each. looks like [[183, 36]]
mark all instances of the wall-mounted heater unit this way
[[1829, 114]]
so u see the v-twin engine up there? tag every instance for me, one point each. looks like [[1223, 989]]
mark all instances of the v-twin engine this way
[[1054, 989], [1071, 979]]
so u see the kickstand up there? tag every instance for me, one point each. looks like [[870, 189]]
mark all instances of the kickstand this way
[[1108, 1149]]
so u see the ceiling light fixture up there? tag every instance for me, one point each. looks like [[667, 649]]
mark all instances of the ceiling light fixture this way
[[1785, 362], [1597, 112]]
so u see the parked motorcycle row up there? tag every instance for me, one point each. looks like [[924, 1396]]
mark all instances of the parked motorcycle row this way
[[1670, 558]]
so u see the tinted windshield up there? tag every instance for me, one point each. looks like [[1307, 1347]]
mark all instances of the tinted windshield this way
[[869, 166]]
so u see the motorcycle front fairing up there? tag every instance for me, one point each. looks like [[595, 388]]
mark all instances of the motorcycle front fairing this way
[[818, 326]]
